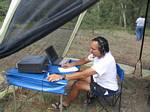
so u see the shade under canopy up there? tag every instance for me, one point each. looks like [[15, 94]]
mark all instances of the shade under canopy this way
[[34, 19]]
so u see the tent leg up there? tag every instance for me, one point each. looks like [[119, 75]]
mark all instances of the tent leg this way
[[14, 98], [138, 69]]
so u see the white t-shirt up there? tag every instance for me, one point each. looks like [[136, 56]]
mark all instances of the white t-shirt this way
[[140, 21], [106, 71]]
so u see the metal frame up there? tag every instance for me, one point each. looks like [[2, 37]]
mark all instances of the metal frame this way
[[61, 102], [115, 96], [14, 93], [15, 103]]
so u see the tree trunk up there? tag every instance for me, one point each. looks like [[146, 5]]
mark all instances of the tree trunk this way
[[123, 11]]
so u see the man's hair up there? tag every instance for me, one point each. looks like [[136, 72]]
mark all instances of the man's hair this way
[[103, 44]]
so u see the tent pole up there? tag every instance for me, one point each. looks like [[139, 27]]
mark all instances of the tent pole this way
[[139, 62], [144, 29], [80, 18], [12, 8]]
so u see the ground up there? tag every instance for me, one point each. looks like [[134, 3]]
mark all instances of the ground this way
[[126, 51]]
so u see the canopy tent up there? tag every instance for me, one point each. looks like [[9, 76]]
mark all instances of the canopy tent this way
[[27, 21]]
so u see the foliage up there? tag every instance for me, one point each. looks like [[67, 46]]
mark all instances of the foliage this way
[[105, 14], [4, 4], [115, 13]]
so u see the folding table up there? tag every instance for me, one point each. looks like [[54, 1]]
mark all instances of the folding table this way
[[37, 82]]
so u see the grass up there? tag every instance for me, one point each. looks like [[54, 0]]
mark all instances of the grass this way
[[123, 46], [41, 102]]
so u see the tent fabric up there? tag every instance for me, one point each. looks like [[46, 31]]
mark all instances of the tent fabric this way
[[34, 19], [35, 81]]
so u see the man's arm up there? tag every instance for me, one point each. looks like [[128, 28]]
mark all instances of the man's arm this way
[[77, 75], [79, 62], [81, 75]]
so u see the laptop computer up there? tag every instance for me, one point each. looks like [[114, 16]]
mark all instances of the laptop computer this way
[[54, 58]]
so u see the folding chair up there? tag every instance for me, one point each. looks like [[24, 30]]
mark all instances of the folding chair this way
[[112, 98]]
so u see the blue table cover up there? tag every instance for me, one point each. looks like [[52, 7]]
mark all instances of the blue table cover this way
[[37, 82]]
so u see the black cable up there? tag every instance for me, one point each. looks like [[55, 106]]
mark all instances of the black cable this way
[[143, 35]]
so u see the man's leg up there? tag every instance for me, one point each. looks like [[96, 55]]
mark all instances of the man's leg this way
[[81, 85], [138, 33], [141, 33]]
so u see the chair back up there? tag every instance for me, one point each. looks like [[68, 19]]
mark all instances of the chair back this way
[[120, 72], [115, 96]]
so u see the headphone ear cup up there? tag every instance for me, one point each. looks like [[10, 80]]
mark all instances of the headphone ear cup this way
[[102, 47]]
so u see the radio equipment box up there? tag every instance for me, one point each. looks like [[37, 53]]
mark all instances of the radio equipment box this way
[[33, 64]]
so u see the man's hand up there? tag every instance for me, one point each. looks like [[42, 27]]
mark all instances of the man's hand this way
[[67, 65], [54, 77]]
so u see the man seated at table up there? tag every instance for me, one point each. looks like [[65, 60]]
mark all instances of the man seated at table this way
[[103, 72]]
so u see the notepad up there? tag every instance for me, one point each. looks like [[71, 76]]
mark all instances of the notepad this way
[[70, 69]]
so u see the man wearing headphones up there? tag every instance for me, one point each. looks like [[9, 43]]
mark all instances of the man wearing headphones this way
[[103, 72]]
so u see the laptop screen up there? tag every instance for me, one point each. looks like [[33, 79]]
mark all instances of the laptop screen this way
[[51, 53]]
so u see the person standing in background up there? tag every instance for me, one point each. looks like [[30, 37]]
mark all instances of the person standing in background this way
[[139, 27]]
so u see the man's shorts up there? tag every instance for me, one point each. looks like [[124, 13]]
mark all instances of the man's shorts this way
[[99, 90]]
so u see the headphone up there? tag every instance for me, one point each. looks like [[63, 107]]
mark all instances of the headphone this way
[[103, 44]]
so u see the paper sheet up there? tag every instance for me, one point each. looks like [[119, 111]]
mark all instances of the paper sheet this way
[[70, 69]]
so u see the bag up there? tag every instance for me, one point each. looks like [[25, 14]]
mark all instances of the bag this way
[[33, 64]]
